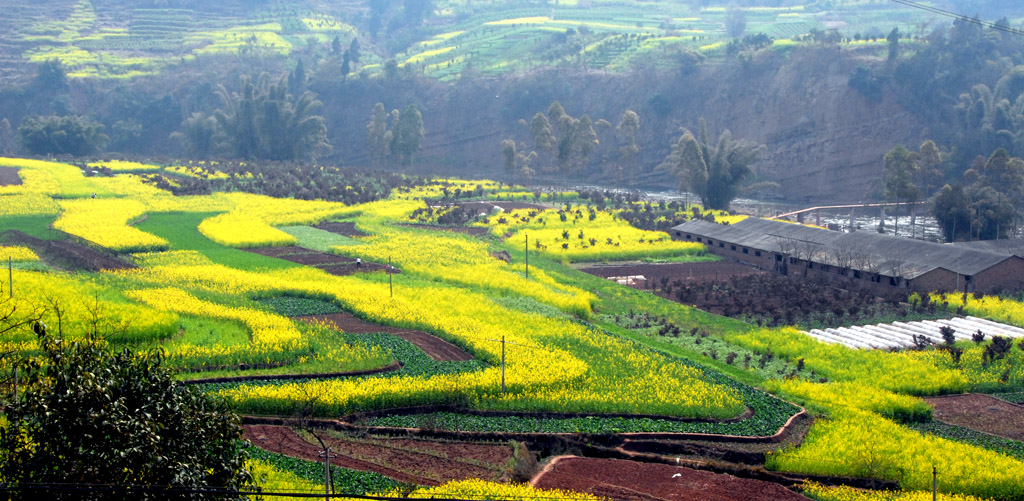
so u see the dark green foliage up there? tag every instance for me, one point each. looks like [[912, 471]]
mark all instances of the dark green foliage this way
[[291, 306], [951, 209], [262, 121], [87, 415], [408, 133], [67, 135], [867, 83], [997, 349], [715, 170], [51, 76]]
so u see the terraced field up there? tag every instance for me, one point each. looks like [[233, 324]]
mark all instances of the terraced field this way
[[111, 39], [465, 371]]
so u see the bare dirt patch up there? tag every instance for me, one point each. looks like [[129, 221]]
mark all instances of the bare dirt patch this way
[[422, 462], [331, 263], [629, 480], [9, 176], [347, 229], [68, 254], [687, 272], [435, 347], [983, 413]]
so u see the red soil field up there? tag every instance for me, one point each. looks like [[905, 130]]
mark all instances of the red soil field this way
[[623, 480], [983, 413], [422, 462], [331, 263], [435, 347], [68, 254], [347, 229], [9, 176]]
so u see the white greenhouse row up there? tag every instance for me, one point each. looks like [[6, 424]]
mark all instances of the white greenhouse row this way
[[901, 334]]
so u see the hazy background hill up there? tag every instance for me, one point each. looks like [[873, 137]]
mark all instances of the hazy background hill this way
[[827, 86]]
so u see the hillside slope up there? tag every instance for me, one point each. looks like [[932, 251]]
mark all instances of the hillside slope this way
[[824, 140]]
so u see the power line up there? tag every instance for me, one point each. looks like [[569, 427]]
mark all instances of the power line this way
[[941, 12]]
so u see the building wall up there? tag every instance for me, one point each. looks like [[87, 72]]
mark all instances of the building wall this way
[[1007, 275], [940, 280]]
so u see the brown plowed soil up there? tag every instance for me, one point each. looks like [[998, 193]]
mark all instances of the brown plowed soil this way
[[982, 413], [421, 462], [687, 272], [68, 254], [629, 480], [347, 229], [278, 251], [331, 263], [9, 176], [435, 347]]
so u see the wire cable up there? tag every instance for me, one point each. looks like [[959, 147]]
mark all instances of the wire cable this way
[[941, 12]]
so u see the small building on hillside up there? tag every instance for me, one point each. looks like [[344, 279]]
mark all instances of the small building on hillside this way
[[866, 259]]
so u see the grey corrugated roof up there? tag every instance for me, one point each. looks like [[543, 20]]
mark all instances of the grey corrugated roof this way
[[761, 234], [874, 252], [1009, 247]]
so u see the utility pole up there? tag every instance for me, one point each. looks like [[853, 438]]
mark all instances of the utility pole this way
[[391, 286], [527, 257], [502, 365], [935, 483], [326, 453]]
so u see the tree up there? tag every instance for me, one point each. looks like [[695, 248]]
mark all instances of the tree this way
[[408, 133], [68, 135], [353, 50], [542, 134], [198, 135], [951, 209], [629, 125], [6, 138], [736, 23], [894, 44], [715, 170], [508, 153], [929, 175], [51, 76], [86, 415], [583, 140], [346, 66], [898, 178], [265, 121], [379, 135]]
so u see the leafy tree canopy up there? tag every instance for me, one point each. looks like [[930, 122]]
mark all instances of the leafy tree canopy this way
[[86, 415], [68, 135]]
